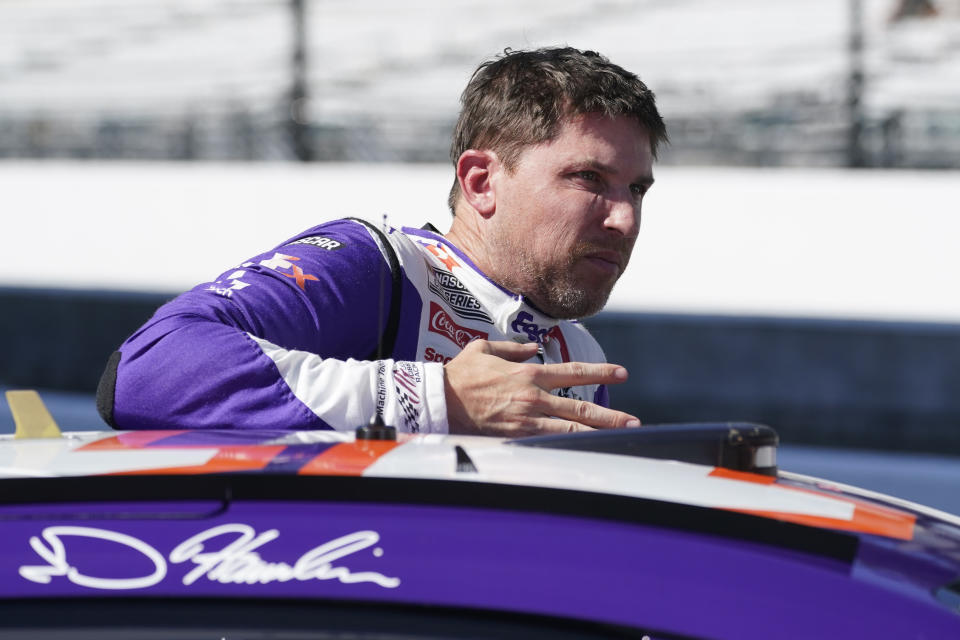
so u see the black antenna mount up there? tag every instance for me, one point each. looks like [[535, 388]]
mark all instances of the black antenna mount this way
[[377, 429]]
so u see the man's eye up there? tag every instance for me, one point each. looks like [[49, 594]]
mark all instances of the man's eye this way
[[588, 175], [637, 190]]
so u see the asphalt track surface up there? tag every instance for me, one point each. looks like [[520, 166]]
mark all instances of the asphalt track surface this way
[[925, 478]]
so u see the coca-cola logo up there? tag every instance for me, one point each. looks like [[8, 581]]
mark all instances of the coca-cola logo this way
[[442, 323]]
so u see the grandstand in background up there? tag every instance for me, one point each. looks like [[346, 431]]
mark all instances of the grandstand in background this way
[[742, 82]]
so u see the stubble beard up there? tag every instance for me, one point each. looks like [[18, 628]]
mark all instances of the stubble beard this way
[[553, 288]]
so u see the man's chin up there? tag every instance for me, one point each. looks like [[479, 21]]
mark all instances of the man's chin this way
[[574, 304]]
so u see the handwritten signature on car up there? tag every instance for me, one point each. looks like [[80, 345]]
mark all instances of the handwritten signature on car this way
[[237, 562]]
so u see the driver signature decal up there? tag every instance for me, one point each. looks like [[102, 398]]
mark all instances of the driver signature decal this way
[[237, 561]]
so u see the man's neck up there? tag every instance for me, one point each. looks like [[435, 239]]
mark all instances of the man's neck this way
[[465, 235]]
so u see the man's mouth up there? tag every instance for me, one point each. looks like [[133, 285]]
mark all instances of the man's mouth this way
[[606, 260]]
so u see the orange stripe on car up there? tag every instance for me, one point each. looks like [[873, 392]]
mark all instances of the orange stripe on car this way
[[227, 459], [347, 458], [743, 476], [867, 517]]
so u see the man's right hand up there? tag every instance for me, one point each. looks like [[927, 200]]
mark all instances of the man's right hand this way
[[492, 390]]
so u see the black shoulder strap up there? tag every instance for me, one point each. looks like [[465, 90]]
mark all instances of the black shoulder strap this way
[[107, 389], [389, 337]]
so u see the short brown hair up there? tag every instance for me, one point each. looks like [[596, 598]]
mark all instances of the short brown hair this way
[[521, 98]]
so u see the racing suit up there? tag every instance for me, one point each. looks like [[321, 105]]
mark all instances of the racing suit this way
[[289, 339]]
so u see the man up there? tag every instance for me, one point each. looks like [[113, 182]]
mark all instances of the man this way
[[553, 152]]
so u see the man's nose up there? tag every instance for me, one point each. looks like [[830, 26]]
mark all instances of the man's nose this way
[[623, 215]]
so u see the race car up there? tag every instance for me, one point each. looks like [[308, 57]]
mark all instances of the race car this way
[[664, 531]]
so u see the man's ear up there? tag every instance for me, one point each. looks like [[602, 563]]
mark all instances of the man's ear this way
[[474, 171]]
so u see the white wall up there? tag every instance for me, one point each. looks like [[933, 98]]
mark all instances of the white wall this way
[[824, 243]]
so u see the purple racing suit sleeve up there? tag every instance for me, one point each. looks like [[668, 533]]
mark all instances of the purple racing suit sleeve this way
[[282, 341]]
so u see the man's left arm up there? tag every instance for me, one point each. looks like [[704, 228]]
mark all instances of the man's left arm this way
[[284, 340]]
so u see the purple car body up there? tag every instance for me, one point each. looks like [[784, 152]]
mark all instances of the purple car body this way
[[454, 533]]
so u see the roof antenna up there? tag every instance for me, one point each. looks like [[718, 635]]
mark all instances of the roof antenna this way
[[377, 429]]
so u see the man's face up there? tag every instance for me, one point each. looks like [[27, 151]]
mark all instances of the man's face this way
[[568, 215]]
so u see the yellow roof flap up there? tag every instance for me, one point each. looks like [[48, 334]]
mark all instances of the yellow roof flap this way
[[30, 415]]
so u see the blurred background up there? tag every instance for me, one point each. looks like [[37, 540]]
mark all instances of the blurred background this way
[[798, 261]]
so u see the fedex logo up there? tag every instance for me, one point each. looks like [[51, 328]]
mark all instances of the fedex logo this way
[[533, 331], [281, 261], [442, 323]]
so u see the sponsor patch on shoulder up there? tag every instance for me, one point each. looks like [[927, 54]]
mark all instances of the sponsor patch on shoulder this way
[[321, 241], [464, 304]]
